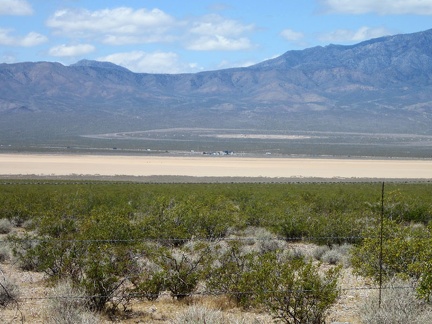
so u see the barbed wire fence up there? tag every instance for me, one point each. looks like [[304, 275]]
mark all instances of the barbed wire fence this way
[[380, 287], [305, 240]]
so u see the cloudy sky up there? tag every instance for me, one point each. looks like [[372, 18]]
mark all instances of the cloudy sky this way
[[170, 36]]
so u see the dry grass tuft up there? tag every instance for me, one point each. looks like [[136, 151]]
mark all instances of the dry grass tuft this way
[[398, 306], [68, 305], [5, 253], [9, 291], [5, 226]]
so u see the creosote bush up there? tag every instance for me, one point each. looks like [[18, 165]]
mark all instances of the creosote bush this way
[[406, 253], [293, 290], [232, 274], [147, 280], [183, 269], [298, 291]]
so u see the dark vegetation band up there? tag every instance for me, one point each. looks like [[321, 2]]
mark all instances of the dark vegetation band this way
[[122, 241]]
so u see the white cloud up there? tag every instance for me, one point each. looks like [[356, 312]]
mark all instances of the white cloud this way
[[121, 26], [32, 39], [349, 36], [135, 39], [217, 25], [219, 43], [156, 62], [224, 64], [71, 50], [8, 58], [383, 7], [291, 35], [114, 26], [213, 32], [15, 8], [29, 40]]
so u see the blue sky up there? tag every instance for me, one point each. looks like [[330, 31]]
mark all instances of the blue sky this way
[[170, 36]]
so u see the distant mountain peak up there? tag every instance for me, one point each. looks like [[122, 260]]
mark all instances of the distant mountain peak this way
[[385, 82], [99, 65], [413, 51]]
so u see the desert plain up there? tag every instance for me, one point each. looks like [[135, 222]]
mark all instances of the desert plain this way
[[212, 166]]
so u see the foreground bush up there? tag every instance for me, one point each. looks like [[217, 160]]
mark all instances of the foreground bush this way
[[233, 274], [93, 253], [299, 292], [406, 254], [293, 290], [182, 269]]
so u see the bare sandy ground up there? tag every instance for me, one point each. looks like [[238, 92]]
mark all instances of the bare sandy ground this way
[[107, 165]]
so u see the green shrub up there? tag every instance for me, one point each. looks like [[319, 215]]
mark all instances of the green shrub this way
[[406, 253], [96, 258], [26, 250], [147, 280], [294, 225], [104, 272], [174, 222], [182, 269], [232, 274], [293, 290], [298, 291], [405, 249], [424, 288]]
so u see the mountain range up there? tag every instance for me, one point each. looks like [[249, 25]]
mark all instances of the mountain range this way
[[382, 85]]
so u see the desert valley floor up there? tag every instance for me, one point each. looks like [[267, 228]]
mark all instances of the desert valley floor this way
[[199, 166]]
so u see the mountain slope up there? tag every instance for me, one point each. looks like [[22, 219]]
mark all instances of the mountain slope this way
[[383, 84]]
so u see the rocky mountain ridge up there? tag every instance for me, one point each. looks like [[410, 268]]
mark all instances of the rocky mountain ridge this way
[[385, 81]]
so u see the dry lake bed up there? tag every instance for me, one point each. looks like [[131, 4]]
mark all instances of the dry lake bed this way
[[205, 166]]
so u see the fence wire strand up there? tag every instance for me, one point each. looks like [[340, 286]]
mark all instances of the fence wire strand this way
[[195, 294]]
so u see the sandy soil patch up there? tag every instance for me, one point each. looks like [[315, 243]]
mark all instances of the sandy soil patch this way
[[39, 164]]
